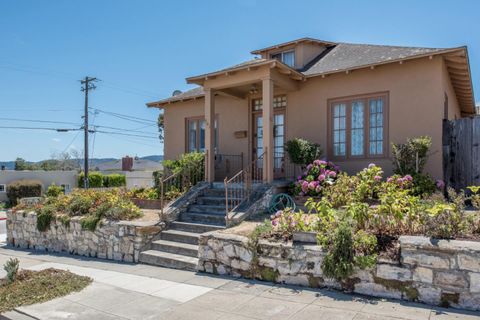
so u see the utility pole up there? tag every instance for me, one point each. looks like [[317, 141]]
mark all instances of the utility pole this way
[[87, 85]]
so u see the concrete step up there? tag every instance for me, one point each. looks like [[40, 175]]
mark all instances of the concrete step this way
[[194, 227], [183, 249], [180, 236], [215, 201], [203, 218], [168, 260], [207, 209]]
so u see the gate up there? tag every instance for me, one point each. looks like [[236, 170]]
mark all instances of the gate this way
[[461, 152]]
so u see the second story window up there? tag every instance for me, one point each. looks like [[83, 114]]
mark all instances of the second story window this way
[[287, 57]]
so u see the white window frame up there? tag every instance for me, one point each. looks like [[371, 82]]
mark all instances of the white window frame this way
[[4, 188], [282, 57]]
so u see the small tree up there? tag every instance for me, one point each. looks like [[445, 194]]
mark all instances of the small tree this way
[[411, 157], [23, 189], [303, 152]]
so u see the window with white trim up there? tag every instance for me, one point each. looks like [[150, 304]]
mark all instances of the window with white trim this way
[[3, 188], [287, 57]]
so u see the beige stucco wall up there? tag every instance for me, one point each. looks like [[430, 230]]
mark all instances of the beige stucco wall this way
[[232, 115], [453, 107], [416, 95]]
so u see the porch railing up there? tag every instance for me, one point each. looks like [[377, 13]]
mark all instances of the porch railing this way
[[239, 187], [227, 165], [174, 184], [284, 168]]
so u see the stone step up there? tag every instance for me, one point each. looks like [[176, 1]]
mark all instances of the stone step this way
[[199, 208], [183, 249], [180, 236], [203, 218], [194, 227], [168, 260], [219, 192]]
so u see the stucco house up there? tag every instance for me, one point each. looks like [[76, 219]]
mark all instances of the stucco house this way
[[353, 99]]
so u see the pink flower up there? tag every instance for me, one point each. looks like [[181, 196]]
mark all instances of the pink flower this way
[[332, 174], [321, 177], [312, 185], [274, 222], [400, 180], [309, 167], [390, 179], [440, 184], [317, 162], [278, 213], [318, 189], [371, 165], [408, 178], [377, 178]]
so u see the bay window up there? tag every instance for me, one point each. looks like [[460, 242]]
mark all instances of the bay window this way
[[357, 127]]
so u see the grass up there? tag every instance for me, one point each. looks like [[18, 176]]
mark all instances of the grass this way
[[32, 287]]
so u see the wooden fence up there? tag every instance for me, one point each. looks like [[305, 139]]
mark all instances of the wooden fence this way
[[461, 152]]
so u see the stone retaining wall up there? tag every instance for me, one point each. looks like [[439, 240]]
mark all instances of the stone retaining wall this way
[[113, 240], [445, 273]]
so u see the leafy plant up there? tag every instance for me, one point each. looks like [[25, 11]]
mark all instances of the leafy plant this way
[[303, 152], [475, 197], [423, 185], [23, 189], [11, 267], [339, 262], [54, 190], [45, 216], [318, 175], [411, 157]]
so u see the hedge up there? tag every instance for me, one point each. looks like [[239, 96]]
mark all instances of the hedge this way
[[98, 180], [23, 189]]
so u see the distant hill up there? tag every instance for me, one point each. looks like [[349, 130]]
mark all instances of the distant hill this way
[[10, 165]]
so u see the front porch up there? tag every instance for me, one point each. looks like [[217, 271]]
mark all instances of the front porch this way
[[261, 86]]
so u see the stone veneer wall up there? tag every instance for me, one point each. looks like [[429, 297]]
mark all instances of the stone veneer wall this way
[[445, 273], [113, 240]]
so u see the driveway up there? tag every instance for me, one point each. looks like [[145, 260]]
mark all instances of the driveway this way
[[130, 291]]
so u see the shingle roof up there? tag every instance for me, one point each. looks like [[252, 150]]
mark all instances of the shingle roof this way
[[345, 56], [189, 94]]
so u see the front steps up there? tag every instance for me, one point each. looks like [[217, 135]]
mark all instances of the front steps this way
[[178, 246]]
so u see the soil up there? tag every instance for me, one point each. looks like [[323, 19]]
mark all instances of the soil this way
[[149, 215], [243, 229], [388, 247]]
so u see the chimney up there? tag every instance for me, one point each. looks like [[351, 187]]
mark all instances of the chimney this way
[[127, 163]]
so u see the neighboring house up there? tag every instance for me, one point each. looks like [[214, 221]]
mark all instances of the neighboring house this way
[[67, 179], [128, 164], [353, 99]]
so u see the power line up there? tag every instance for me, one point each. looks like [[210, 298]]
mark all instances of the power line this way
[[39, 121], [126, 116], [71, 142], [125, 134], [122, 129], [133, 141], [40, 128]]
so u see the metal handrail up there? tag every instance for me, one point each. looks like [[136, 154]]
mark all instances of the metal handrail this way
[[162, 191], [245, 178]]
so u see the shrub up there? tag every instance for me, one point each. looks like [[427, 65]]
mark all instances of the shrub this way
[[411, 157], [475, 197], [23, 189], [303, 152], [190, 168], [114, 180], [54, 190], [45, 216], [318, 175], [144, 193], [423, 185], [11, 267], [95, 179]]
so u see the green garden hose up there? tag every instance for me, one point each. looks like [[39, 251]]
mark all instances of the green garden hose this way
[[281, 201]]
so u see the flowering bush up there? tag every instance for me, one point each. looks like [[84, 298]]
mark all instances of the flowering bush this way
[[316, 177]]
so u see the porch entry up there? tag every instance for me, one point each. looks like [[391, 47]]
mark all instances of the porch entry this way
[[279, 105]]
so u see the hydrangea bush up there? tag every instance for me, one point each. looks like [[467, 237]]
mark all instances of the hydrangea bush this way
[[316, 177]]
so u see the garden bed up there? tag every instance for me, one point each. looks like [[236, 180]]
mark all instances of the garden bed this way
[[437, 272], [32, 287]]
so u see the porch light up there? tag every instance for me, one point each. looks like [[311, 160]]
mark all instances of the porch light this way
[[253, 89]]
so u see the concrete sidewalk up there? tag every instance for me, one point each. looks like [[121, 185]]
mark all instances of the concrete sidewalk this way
[[129, 291]]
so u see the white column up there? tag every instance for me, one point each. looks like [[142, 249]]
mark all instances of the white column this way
[[210, 134], [267, 97]]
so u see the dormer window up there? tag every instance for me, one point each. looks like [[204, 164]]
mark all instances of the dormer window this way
[[287, 57]]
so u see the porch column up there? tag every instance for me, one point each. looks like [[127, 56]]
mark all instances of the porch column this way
[[209, 134], [267, 114]]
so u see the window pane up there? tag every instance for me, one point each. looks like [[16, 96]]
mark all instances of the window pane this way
[[376, 126], [339, 131], [357, 128], [289, 58], [192, 136], [202, 136]]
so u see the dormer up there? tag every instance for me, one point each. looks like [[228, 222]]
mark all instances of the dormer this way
[[297, 53]]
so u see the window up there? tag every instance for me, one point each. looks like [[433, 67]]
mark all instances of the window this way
[[3, 188], [278, 102], [287, 57], [358, 127], [196, 135], [66, 188]]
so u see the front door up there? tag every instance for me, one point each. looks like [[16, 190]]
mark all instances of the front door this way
[[278, 140]]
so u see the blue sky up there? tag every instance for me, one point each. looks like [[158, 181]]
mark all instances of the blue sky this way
[[143, 50]]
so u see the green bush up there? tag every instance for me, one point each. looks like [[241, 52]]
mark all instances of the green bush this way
[[114, 180], [411, 157], [98, 180], [11, 268], [303, 152], [45, 216], [54, 190], [23, 189]]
